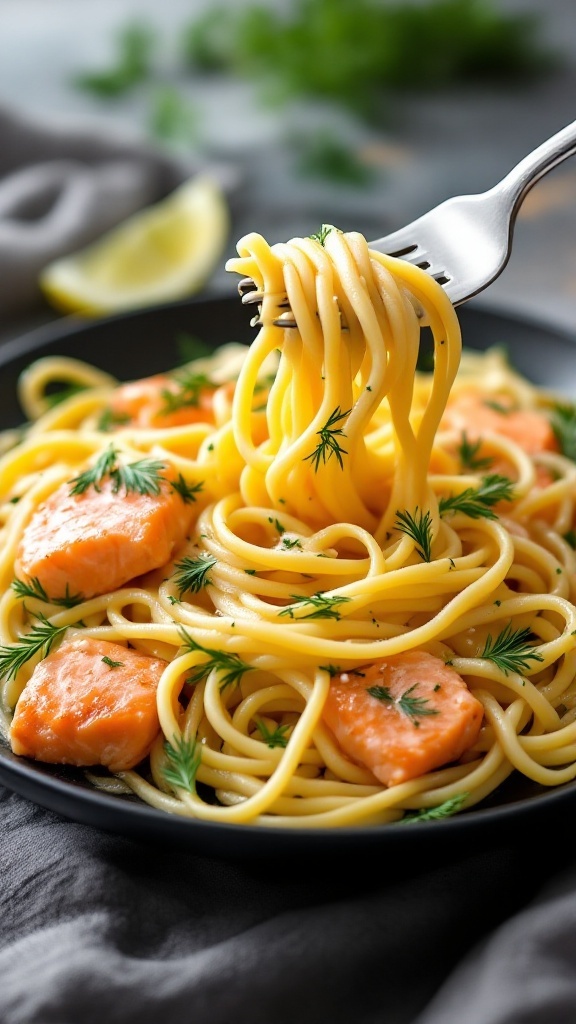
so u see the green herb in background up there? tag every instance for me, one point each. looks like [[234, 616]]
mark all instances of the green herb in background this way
[[351, 50], [173, 118], [135, 45], [326, 156], [351, 53]]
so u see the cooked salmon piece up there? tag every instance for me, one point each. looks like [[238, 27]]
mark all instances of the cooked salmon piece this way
[[403, 716], [474, 414], [161, 401], [95, 542], [91, 702]]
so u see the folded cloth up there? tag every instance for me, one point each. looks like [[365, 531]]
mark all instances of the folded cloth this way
[[524, 973], [62, 185], [95, 927]]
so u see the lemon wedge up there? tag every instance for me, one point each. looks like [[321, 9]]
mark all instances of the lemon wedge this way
[[160, 254]]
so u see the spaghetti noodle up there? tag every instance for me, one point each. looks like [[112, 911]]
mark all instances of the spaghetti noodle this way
[[346, 509]]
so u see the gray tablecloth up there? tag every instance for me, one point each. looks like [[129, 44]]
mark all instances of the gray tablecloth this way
[[100, 928]]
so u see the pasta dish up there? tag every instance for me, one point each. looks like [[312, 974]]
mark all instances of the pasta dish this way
[[307, 583]]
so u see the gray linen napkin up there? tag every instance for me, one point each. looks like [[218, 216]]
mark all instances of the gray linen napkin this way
[[97, 928], [524, 973], [64, 183]]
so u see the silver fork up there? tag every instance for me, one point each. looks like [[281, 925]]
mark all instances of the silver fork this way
[[465, 242]]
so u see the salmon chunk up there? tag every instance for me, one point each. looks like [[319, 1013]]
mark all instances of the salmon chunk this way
[[91, 702], [475, 414], [404, 716], [95, 542], [160, 402]]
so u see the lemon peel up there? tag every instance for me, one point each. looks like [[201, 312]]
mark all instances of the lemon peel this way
[[160, 254]]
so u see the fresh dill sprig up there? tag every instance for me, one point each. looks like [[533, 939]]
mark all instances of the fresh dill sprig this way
[[324, 607], [192, 574], [468, 454], [413, 707], [109, 419], [141, 477], [230, 667], [511, 651], [272, 738], [186, 491], [35, 589], [477, 502], [563, 423], [190, 388], [329, 445], [419, 528], [184, 758], [321, 236], [39, 640], [444, 810], [94, 476]]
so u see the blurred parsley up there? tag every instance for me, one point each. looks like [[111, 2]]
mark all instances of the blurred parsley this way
[[349, 51], [172, 117], [326, 156], [135, 46]]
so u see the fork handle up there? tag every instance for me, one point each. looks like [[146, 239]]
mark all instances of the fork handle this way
[[534, 166]]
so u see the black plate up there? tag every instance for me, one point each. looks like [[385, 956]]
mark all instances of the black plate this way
[[141, 343]]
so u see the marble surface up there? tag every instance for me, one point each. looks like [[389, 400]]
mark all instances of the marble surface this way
[[435, 145]]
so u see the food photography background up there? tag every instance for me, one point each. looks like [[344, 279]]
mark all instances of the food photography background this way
[[309, 137]]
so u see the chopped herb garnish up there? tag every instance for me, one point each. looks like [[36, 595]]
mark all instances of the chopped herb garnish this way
[[111, 663], [273, 738], [94, 476], [570, 538], [184, 758], [332, 670], [289, 544], [141, 477], [444, 810], [192, 573], [186, 491], [109, 419], [329, 444], [35, 589], [275, 522], [230, 667], [563, 423], [511, 650], [504, 410], [477, 502], [419, 528], [190, 387], [324, 607], [468, 454], [39, 640], [321, 236], [413, 707]]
